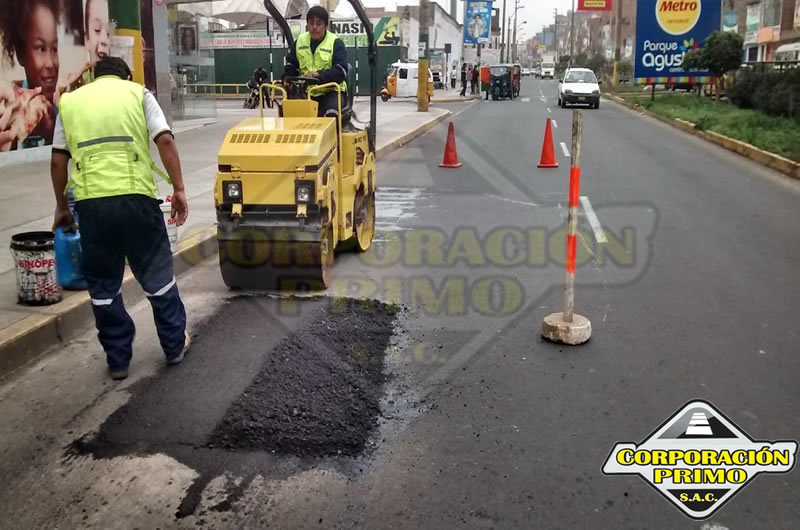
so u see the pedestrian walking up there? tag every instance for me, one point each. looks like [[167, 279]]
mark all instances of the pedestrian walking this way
[[105, 128], [453, 75], [463, 79], [474, 79]]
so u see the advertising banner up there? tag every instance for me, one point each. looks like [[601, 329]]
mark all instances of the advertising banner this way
[[46, 49], [730, 22], [238, 39], [351, 31], [387, 32], [752, 22], [478, 22], [594, 5], [665, 31], [797, 14]]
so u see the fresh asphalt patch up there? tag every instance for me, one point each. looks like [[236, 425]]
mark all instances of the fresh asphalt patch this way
[[319, 391], [256, 397]]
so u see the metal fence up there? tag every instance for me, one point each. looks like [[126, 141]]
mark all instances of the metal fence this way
[[218, 90], [771, 66]]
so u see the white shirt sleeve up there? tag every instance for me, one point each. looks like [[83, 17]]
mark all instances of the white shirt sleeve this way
[[156, 121], [59, 138]]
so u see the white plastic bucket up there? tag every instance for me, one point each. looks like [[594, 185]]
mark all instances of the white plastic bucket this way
[[172, 227], [35, 262]]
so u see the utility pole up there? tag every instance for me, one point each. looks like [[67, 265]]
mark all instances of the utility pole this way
[[508, 51], [572, 33], [555, 32], [617, 38], [502, 33], [424, 57], [514, 42]]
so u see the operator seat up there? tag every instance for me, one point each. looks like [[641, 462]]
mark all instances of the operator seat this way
[[347, 103]]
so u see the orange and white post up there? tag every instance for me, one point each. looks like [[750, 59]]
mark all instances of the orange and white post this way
[[568, 327]]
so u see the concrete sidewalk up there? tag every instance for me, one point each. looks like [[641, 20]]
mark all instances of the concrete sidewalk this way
[[27, 204], [439, 96]]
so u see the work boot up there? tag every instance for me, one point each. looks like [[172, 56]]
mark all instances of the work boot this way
[[186, 343], [118, 375]]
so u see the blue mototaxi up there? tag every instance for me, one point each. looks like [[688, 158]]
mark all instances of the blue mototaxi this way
[[501, 81]]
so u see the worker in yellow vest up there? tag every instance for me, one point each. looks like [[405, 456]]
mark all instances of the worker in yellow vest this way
[[105, 128], [320, 54]]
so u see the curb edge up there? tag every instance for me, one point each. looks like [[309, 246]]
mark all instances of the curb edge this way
[[755, 154], [32, 337]]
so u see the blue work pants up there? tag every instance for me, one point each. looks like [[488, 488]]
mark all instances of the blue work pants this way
[[132, 227]]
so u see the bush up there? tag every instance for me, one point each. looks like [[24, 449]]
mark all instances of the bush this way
[[744, 86], [705, 123], [775, 93]]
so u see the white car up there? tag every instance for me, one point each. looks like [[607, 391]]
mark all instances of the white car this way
[[579, 85]]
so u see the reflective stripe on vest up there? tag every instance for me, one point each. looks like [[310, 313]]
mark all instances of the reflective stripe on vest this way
[[321, 59], [107, 136]]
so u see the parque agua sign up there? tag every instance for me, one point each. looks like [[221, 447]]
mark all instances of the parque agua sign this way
[[665, 31]]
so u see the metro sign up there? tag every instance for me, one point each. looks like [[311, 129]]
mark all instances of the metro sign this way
[[594, 5]]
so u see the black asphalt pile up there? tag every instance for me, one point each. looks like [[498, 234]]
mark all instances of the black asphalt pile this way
[[318, 392]]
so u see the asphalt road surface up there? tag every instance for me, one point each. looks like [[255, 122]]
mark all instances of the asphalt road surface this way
[[418, 393]]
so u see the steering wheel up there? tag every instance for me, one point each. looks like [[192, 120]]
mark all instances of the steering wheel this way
[[298, 86]]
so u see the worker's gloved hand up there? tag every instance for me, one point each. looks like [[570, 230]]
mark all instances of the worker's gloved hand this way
[[180, 207], [64, 219]]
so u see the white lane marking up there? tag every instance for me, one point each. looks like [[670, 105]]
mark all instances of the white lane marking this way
[[505, 199], [564, 148], [548, 109], [594, 222], [555, 124], [526, 100]]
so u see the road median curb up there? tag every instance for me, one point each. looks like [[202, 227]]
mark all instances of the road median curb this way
[[397, 143], [28, 339], [455, 100], [765, 158]]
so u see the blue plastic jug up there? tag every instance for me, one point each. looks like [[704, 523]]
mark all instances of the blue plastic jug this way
[[68, 259]]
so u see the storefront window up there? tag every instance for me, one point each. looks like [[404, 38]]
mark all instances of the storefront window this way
[[771, 13], [191, 64]]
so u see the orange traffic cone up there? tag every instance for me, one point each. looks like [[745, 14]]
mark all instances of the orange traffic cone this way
[[548, 155], [450, 154]]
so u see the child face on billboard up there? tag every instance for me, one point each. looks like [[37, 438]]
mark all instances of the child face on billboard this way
[[97, 40], [40, 54]]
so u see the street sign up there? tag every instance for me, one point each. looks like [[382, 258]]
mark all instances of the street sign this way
[[665, 31], [594, 5]]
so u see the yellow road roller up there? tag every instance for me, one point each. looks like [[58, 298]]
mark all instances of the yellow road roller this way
[[291, 190]]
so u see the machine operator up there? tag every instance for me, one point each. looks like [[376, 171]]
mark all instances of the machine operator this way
[[320, 54]]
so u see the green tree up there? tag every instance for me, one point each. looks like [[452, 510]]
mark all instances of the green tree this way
[[721, 54], [597, 64], [580, 60], [625, 69]]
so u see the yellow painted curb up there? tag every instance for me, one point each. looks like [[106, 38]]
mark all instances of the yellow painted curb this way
[[27, 339], [765, 158]]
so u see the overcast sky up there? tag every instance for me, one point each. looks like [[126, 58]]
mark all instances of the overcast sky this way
[[536, 12]]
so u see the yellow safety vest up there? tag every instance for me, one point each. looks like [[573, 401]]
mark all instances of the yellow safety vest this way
[[321, 59], [107, 137]]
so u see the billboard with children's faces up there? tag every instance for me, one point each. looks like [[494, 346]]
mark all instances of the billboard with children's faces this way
[[46, 48]]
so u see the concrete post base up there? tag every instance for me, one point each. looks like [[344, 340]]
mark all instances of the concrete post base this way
[[576, 332]]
